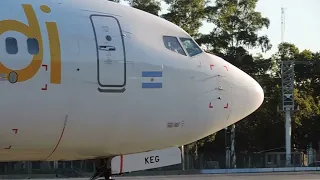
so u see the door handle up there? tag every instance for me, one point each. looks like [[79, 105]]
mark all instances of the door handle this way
[[107, 48]]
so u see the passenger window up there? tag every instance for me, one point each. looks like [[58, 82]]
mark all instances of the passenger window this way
[[33, 46], [173, 44], [191, 47], [11, 45]]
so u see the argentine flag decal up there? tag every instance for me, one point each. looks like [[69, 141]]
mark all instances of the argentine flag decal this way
[[151, 79]]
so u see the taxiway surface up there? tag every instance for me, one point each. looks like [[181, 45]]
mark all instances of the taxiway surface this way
[[253, 176]]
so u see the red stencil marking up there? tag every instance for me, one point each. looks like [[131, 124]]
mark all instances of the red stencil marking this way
[[227, 106], [58, 141], [121, 163], [211, 65], [45, 66], [15, 131], [226, 68], [45, 88], [210, 106]]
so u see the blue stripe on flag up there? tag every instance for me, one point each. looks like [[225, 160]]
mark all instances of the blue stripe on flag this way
[[151, 85], [151, 73]]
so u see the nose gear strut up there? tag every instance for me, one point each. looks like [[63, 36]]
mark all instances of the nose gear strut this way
[[103, 169]]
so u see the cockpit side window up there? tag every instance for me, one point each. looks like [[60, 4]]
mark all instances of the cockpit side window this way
[[173, 44], [191, 47]]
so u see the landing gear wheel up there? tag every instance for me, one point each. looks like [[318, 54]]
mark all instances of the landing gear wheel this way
[[102, 170]]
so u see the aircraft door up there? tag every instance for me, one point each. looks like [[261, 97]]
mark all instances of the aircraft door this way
[[110, 53]]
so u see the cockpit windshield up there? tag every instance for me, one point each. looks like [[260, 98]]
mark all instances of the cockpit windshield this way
[[191, 47], [172, 43]]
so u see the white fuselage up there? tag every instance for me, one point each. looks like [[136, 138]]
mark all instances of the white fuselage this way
[[81, 96]]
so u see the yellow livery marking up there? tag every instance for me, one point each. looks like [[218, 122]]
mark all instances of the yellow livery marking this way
[[45, 9], [33, 31], [55, 52]]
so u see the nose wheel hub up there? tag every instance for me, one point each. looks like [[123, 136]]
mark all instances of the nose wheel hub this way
[[103, 169]]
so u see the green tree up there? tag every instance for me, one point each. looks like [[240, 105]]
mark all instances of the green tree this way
[[304, 125], [150, 6], [306, 121], [236, 29], [188, 14], [287, 51]]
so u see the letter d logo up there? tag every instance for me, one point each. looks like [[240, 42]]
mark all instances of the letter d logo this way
[[31, 31]]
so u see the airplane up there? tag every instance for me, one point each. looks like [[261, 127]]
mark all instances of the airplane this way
[[93, 79]]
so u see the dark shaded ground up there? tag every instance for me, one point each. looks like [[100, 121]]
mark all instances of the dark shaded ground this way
[[253, 176]]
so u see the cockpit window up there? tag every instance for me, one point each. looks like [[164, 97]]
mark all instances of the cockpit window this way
[[191, 47], [173, 44]]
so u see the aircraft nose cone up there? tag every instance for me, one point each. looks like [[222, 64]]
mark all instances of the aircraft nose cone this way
[[246, 95], [258, 95], [251, 95]]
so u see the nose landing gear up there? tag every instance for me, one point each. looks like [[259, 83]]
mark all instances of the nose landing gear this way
[[103, 169]]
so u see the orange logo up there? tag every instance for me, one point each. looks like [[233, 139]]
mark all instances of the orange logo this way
[[33, 31]]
